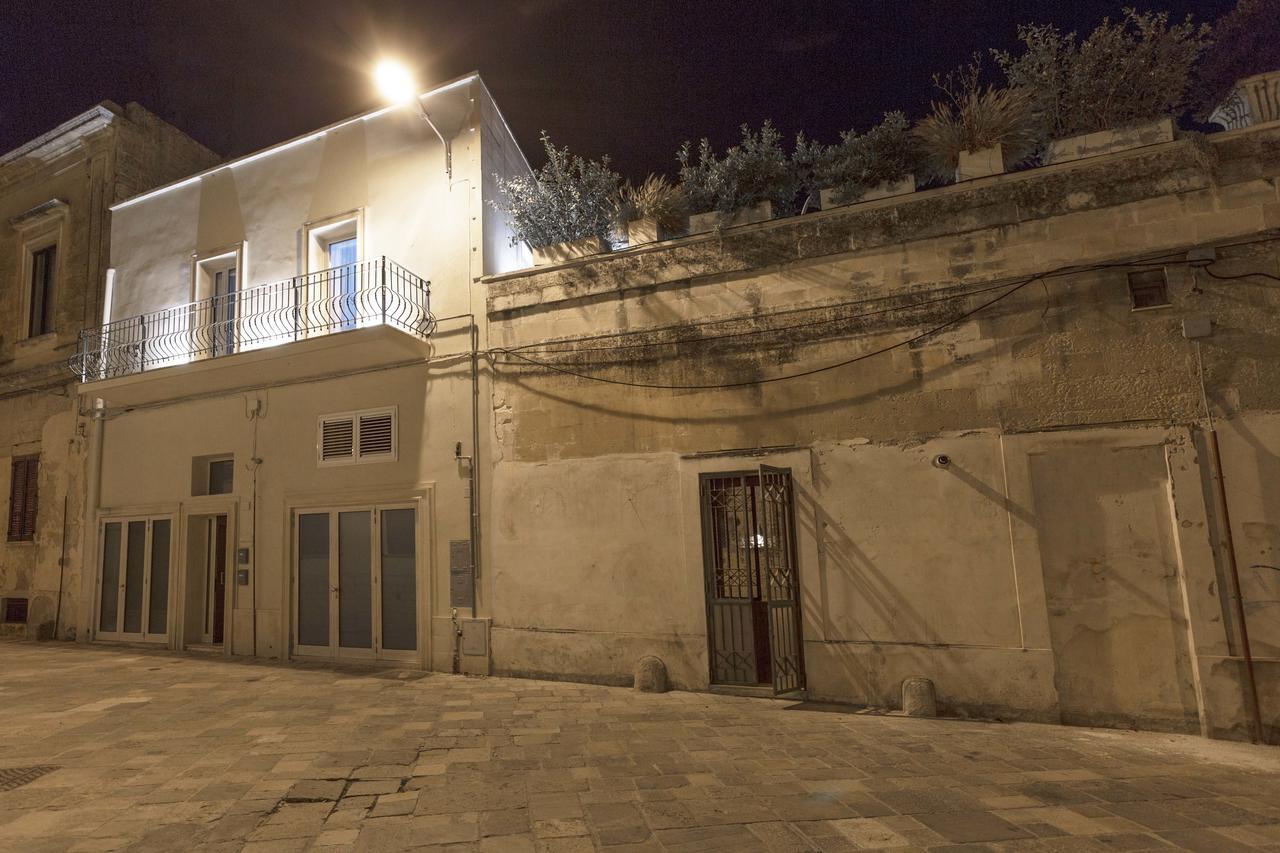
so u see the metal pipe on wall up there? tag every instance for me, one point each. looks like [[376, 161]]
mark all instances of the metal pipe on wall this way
[[1229, 548]]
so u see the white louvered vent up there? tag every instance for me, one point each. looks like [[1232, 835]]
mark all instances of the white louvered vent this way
[[377, 435], [353, 437], [337, 439]]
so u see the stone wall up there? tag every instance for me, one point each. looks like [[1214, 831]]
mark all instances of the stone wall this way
[[1067, 565], [112, 150]]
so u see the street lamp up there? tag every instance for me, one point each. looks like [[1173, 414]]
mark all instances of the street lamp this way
[[394, 81], [396, 84]]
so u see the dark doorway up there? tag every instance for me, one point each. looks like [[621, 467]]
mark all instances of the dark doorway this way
[[753, 590]]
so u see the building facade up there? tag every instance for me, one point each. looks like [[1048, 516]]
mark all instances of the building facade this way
[[1016, 435], [283, 401], [54, 243]]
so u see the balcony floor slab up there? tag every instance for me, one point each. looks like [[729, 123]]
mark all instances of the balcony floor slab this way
[[328, 355]]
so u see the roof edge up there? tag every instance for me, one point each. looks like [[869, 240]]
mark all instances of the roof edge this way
[[288, 143]]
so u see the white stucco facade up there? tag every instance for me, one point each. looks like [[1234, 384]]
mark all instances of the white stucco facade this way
[[250, 250]]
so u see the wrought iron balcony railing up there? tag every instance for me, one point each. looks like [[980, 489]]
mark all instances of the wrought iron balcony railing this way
[[353, 296]]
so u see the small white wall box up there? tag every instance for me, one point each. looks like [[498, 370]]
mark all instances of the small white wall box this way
[[475, 637], [1198, 326]]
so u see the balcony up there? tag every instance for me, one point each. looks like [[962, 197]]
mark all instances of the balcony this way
[[304, 325]]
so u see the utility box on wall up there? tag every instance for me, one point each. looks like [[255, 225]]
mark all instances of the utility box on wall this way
[[474, 645]]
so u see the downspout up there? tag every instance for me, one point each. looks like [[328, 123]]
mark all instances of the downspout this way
[[89, 528], [1229, 551], [1229, 548], [62, 565]]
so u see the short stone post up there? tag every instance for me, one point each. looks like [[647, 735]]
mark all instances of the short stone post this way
[[651, 675], [919, 698]]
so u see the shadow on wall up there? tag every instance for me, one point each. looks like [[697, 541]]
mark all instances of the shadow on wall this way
[[1116, 618]]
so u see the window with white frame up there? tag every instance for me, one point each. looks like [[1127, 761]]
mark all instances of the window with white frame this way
[[334, 249], [346, 438]]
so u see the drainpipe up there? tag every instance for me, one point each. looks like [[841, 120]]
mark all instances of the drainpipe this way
[[89, 525], [1228, 546], [1229, 551]]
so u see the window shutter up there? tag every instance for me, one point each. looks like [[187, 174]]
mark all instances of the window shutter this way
[[33, 490], [377, 435], [23, 497], [337, 439]]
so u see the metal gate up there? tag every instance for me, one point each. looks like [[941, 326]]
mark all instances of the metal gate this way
[[749, 559]]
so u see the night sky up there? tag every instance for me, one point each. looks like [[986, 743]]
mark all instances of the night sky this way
[[630, 79]]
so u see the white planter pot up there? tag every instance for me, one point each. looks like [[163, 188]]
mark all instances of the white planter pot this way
[[1109, 141], [980, 164], [561, 252], [1254, 100], [700, 222], [884, 189]]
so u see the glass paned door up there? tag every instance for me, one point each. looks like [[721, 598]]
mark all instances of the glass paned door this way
[[224, 311], [356, 583], [355, 580], [133, 589], [342, 281], [313, 580], [398, 566]]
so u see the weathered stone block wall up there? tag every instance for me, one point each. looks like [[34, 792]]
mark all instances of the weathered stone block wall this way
[[38, 409], [1066, 566]]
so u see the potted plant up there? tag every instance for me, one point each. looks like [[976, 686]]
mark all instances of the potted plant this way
[[975, 130], [876, 164], [752, 182], [565, 210], [1117, 89], [1237, 82], [655, 210]]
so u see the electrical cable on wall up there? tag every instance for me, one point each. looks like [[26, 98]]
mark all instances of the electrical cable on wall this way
[[519, 354]]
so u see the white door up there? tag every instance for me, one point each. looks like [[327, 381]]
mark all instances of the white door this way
[[356, 583]]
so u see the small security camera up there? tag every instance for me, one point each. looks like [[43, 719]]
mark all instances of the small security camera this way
[[942, 460]]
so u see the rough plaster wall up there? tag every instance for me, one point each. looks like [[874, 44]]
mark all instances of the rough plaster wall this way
[[1251, 458], [44, 423], [572, 604], [1068, 353], [1115, 610]]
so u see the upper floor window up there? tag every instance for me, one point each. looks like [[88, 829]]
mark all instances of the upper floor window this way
[[40, 291], [23, 494], [40, 230]]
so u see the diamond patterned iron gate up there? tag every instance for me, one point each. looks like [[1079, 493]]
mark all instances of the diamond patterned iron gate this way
[[748, 539]]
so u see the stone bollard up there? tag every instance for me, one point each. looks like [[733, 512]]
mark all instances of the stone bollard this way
[[918, 698], [651, 675]]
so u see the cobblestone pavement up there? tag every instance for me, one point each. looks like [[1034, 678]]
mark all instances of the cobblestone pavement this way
[[108, 749]]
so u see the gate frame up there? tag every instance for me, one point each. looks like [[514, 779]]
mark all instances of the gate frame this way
[[745, 474]]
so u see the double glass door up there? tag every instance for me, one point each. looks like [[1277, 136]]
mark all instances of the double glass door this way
[[133, 589], [355, 583]]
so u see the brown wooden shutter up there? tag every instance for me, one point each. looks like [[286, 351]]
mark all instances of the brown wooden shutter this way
[[24, 497]]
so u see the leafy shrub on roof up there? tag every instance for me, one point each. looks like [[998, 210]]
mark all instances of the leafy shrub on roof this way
[[569, 198], [1131, 70]]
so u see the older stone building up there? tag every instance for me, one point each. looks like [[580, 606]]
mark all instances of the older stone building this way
[[969, 433], [989, 434], [54, 241]]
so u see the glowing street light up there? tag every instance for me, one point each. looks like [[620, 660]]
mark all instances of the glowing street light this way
[[394, 81], [396, 84]]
